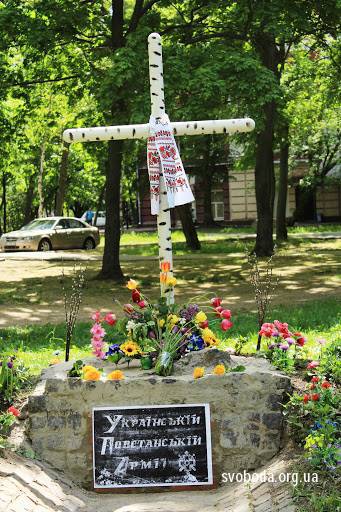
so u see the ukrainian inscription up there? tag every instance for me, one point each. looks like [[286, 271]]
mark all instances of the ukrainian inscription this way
[[162, 445]]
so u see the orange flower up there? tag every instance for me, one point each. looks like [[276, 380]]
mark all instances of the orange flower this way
[[165, 266], [115, 375], [91, 374], [219, 369], [163, 278], [55, 360], [198, 372]]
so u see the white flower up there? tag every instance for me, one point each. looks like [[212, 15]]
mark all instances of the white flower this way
[[182, 321], [130, 325]]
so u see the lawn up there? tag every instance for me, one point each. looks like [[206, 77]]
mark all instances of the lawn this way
[[36, 344]]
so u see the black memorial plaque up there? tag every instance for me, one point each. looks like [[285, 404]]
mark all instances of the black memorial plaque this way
[[152, 446]]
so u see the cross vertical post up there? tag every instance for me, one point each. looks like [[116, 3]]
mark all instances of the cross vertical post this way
[[157, 100]]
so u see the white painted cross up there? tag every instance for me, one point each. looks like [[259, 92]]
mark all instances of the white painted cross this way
[[142, 131]]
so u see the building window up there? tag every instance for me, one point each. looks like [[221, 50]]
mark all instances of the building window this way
[[217, 200]]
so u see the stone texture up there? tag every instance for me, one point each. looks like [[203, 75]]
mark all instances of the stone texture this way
[[246, 422]]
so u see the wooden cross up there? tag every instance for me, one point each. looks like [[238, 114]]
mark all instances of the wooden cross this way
[[142, 131]]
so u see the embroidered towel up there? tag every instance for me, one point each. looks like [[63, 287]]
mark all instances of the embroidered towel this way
[[163, 158]]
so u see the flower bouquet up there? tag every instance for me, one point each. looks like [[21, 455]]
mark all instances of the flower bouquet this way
[[157, 333]]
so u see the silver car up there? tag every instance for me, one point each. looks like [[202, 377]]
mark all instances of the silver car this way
[[51, 233]]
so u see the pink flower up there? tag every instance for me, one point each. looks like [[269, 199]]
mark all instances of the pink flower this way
[[97, 330], [110, 319], [290, 341], [267, 330], [226, 324], [313, 364], [96, 317], [321, 341], [142, 304]]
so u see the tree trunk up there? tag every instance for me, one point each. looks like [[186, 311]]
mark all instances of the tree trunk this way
[[264, 168], [40, 181], [62, 179], [111, 268], [29, 200], [185, 214], [4, 201], [281, 224]]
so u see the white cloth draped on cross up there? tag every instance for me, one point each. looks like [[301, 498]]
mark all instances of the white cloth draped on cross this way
[[163, 159]]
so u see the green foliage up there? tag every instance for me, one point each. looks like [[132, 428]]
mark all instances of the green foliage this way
[[13, 376]]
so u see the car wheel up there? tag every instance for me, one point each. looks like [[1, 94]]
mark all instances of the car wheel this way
[[44, 245], [89, 244]]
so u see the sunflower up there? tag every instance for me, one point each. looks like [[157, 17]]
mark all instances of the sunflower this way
[[130, 348]]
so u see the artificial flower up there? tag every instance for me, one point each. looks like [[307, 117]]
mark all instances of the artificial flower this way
[[219, 369], [136, 296], [161, 322], [198, 372], [226, 313], [216, 302], [13, 411], [325, 384], [96, 317], [130, 325], [315, 397], [130, 348], [97, 330], [116, 375], [163, 278], [200, 317], [128, 308], [88, 368], [113, 349], [110, 319], [165, 266], [204, 325], [195, 342], [171, 281], [315, 379], [132, 284], [91, 374], [218, 311], [312, 365], [306, 398], [226, 324], [142, 304], [209, 337]]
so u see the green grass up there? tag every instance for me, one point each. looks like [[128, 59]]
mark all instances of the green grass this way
[[35, 344]]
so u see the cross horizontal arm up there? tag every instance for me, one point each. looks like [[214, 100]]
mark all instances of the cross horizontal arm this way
[[141, 131]]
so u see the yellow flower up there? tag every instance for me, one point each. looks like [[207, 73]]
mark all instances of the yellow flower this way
[[219, 369], [86, 368], [209, 337], [171, 281], [115, 375], [173, 319], [132, 284], [198, 372], [200, 317], [92, 374], [130, 348], [314, 440], [161, 322]]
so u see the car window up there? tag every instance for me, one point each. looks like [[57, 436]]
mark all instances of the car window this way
[[39, 224], [64, 223], [75, 224]]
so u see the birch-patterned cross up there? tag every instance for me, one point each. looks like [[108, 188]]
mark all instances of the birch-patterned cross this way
[[168, 182]]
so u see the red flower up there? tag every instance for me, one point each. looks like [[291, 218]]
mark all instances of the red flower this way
[[315, 379], [216, 302], [218, 310], [306, 398], [136, 296], [301, 341], [315, 397], [128, 308], [267, 330], [226, 324], [142, 304], [325, 384], [203, 325], [110, 319], [313, 364], [225, 313], [312, 386], [14, 411]]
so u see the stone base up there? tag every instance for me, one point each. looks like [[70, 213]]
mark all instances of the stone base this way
[[245, 411]]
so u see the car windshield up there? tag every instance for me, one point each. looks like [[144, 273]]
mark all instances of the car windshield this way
[[38, 224]]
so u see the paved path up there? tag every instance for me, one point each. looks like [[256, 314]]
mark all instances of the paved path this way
[[30, 486]]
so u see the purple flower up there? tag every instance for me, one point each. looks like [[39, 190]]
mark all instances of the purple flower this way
[[175, 329], [151, 335], [284, 347], [113, 349], [275, 333], [10, 364], [290, 341], [322, 341], [271, 346]]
